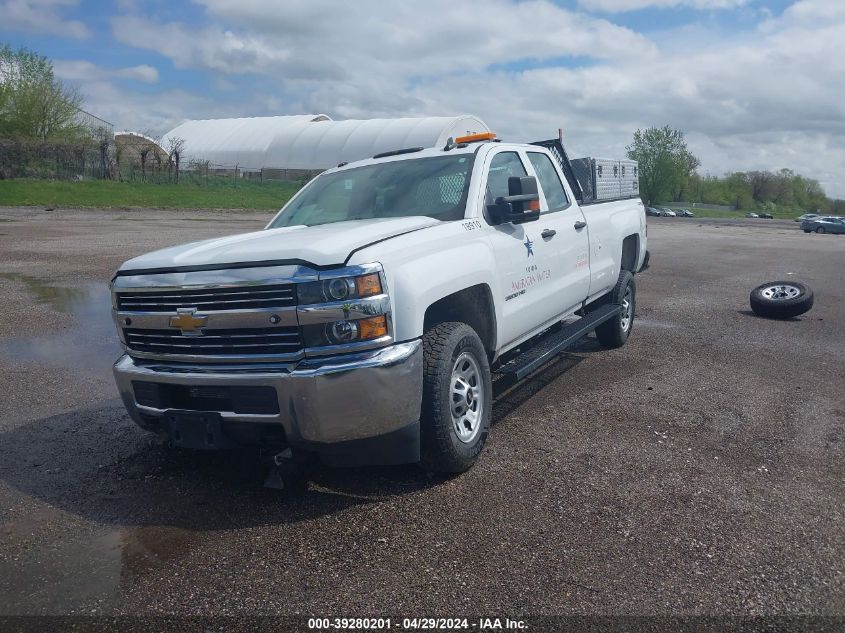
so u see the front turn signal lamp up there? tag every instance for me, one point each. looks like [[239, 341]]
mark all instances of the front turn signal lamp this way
[[368, 285], [374, 327]]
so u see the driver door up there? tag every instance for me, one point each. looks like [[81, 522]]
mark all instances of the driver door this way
[[524, 260]]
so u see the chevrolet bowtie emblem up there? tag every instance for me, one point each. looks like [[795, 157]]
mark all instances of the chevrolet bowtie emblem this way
[[186, 319]]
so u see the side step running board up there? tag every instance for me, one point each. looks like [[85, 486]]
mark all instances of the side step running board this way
[[537, 356]]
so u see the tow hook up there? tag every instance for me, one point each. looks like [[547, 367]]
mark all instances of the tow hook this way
[[283, 458], [289, 471]]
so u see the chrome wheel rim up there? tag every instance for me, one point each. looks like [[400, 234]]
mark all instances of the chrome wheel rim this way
[[627, 310], [780, 292], [467, 397]]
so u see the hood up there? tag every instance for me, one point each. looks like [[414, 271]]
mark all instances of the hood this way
[[322, 245]]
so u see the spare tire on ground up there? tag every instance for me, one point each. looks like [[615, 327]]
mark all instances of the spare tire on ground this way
[[781, 299]]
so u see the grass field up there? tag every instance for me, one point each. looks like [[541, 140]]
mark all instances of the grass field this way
[[222, 193], [214, 193]]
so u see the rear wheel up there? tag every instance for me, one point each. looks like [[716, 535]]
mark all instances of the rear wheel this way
[[615, 332], [820, 230], [457, 398]]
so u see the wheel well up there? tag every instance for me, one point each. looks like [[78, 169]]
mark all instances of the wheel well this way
[[473, 306], [630, 252]]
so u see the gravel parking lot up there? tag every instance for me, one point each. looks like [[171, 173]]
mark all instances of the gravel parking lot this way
[[697, 470]]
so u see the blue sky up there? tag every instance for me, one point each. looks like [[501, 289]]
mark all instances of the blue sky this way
[[749, 81]]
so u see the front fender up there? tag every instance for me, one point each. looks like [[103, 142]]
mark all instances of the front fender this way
[[421, 271]]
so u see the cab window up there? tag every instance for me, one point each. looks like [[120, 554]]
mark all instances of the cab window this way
[[503, 166], [547, 176]]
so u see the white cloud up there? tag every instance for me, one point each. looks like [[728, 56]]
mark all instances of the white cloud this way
[[326, 40], [618, 6], [213, 49], [807, 13], [152, 115], [815, 11], [760, 99], [84, 71], [41, 16], [142, 72]]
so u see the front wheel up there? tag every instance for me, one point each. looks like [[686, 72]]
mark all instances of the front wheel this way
[[820, 230], [457, 398], [615, 332]]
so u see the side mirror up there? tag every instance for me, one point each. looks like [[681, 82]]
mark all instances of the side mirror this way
[[521, 205]]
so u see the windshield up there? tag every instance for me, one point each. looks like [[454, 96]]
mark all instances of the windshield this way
[[435, 187]]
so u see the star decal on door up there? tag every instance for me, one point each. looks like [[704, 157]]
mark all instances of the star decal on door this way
[[529, 246]]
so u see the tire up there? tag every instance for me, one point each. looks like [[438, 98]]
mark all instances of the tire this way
[[455, 365], [781, 299], [820, 230], [615, 332], [807, 231]]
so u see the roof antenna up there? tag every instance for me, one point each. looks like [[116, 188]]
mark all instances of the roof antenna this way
[[450, 144]]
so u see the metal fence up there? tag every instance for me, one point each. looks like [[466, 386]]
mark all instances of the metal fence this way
[[127, 157], [97, 126], [159, 168], [57, 160], [89, 155]]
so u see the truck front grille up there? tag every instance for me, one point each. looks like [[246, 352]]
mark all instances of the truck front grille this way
[[208, 299], [240, 342]]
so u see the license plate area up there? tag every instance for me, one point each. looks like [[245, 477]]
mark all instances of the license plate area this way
[[244, 400], [198, 430]]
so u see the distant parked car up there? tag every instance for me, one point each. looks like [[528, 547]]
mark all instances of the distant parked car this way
[[667, 213], [686, 213], [767, 216], [655, 213], [825, 224], [751, 215], [807, 216]]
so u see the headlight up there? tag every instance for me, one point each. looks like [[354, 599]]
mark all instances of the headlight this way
[[339, 289], [343, 332], [347, 310]]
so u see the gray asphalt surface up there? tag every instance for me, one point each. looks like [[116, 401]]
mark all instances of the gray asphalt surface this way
[[697, 470]]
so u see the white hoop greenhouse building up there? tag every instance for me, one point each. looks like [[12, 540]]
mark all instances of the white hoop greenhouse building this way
[[288, 146]]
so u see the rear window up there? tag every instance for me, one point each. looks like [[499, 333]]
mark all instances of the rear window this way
[[549, 180]]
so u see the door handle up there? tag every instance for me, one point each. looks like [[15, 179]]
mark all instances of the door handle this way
[[580, 225], [548, 233]]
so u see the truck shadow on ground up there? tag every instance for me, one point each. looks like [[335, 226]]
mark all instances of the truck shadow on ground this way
[[97, 464]]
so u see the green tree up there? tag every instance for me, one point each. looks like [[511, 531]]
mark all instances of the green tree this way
[[33, 103], [665, 162]]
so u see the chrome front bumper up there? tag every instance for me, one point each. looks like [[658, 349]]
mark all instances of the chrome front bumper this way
[[321, 401]]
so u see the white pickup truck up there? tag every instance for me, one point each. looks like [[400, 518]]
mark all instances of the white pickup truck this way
[[366, 322]]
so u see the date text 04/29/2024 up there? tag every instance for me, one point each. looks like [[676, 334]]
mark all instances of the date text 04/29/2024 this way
[[416, 624]]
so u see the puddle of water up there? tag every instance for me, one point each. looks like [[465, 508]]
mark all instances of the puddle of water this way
[[61, 298], [70, 573], [88, 342]]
